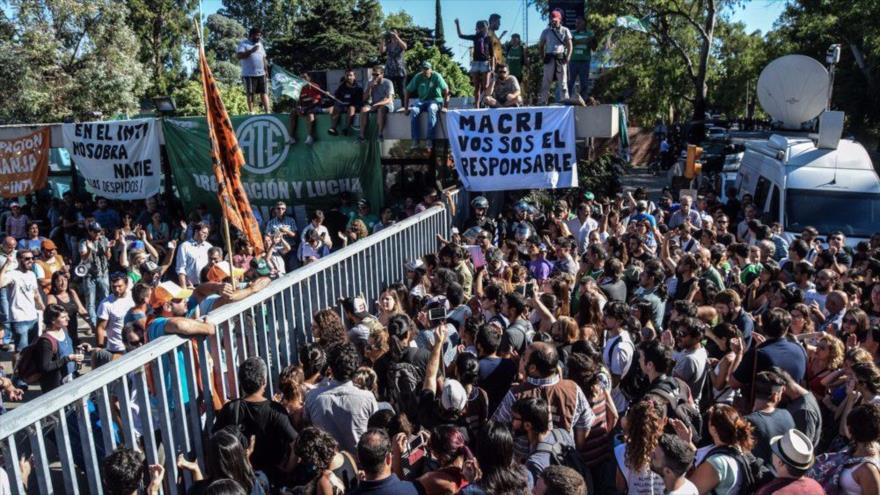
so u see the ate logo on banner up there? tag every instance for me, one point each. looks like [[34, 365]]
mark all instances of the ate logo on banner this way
[[263, 140]]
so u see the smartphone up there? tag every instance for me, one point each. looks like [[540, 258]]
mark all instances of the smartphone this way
[[437, 314], [416, 443]]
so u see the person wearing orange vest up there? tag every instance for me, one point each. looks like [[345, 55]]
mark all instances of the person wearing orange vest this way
[[48, 263]]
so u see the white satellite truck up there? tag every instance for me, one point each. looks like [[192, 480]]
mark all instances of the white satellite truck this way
[[805, 179]]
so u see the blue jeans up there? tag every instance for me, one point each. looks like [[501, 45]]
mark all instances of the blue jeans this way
[[96, 288], [25, 333], [579, 70], [430, 106]]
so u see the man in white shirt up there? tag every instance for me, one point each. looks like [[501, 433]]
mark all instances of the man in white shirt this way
[[9, 255], [671, 459], [618, 351], [111, 315], [24, 300], [254, 68], [686, 214], [192, 256], [581, 226]]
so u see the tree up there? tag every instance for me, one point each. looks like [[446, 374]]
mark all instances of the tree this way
[[458, 80], [810, 27], [163, 28], [439, 35], [741, 57], [222, 36], [68, 58], [191, 101], [351, 40], [273, 17], [408, 31]]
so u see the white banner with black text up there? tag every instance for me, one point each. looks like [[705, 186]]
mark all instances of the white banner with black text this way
[[118, 159], [514, 148]]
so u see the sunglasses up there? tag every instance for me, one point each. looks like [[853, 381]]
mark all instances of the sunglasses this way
[[27, 258]]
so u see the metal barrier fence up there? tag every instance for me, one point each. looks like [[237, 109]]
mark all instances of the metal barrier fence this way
[[159, 388]]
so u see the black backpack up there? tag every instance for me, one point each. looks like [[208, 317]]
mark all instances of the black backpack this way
[[404, 383], [755, 473], [564, 455], [679, 407]]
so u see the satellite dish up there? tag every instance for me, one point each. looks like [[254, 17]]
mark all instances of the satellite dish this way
[[793, 89]]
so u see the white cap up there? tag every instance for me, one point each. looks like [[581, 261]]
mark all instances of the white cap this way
[[454, 396]]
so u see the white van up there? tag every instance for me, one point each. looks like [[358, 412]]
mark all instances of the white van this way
[[798, 184]]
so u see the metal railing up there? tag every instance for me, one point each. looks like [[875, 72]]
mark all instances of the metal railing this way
[[161, 389]]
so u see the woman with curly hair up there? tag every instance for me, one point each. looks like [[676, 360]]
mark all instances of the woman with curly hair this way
[[642, 428], [321, 468], [292, 393], [825, 358], [719, 471], [327, 328], [356, 231], [800, 320]]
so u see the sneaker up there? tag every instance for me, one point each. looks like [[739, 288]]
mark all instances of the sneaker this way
[[361, 139], [309, 140], [332, 131], [291, 141]]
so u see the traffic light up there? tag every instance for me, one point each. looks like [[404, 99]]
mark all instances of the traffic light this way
[[693, 166]]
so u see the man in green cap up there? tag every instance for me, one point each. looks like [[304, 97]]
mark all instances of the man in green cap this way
[[432, 92]]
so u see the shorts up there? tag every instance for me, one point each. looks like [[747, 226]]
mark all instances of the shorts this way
[[24, 333], [254, 85], [313, 109], [480, 67]]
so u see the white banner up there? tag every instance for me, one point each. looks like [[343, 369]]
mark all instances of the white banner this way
[[119, 159], [515, 148]]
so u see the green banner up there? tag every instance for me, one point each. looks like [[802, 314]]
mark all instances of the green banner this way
[[306, 177], [286, 84]]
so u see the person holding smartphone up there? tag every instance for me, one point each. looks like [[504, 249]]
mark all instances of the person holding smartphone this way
[[57, 359]]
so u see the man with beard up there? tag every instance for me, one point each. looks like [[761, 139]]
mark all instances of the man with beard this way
[[690, 356], [169, 303], [825, 282], [728, 304]]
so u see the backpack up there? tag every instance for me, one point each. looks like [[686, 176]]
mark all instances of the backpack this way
[[678, 406], [404, 383], [828, 468], [634, 383], [755, 473], [28, 366], [564, 455]]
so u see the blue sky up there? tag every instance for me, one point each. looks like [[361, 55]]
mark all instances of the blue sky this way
[[756, 14]]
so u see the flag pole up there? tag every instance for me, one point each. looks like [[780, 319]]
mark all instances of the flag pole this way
[[227, 237]]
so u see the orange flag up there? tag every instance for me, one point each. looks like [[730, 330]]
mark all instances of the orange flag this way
[[227, 160]]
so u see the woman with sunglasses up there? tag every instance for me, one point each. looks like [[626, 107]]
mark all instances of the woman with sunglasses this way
[[854, 322], [825, 359], [62, 294]]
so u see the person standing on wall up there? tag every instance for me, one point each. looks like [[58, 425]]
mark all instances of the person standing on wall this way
[[556, 46], [516, 57], [254, 68], [583, 41]]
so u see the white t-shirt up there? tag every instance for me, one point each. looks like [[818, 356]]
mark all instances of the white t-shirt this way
[[20, 288], [688, 488], [646, 482], [113, 309], [254, 65], [618, 362]]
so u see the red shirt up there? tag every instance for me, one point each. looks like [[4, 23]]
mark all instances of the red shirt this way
[[310, 96], [790, 486]]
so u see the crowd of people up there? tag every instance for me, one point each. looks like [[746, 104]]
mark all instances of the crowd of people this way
[[497, 73], [590, 345]]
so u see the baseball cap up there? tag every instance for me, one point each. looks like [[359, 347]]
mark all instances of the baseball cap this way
[[414, 265], [14, 204], [221, 271], [95, 227], [454, 396], [355, 305], [556, 14], [589, 196], [137, 245], [167, 292], [48, 245], [260, 266], [427, 65], [363, 202]]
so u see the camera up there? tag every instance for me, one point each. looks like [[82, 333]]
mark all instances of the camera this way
[[437, 314]]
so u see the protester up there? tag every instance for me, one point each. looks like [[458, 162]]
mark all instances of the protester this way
[[582, 42], [57, 357], [555, 45], [393, 47], [309, 104], [516, 57], [432, 94], [254, 68], [24, 299], [192, 256], [503, 90], [125, 469], [792, 458], [378, 99], [350, 96], [483, 59]]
